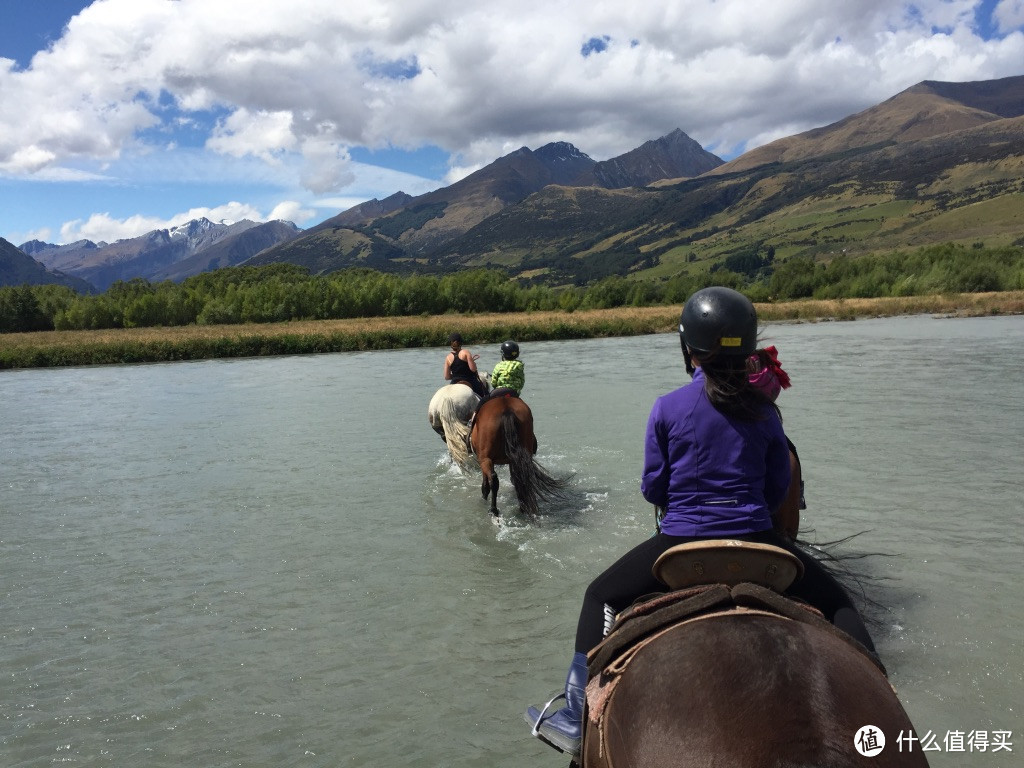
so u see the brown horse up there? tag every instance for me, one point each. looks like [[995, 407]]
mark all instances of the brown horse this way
[[739, 676], [787, 517], [503, 434]]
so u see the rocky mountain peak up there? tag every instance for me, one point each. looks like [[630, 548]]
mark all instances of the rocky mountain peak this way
[[192, 229], [672, 156], [560, 151]]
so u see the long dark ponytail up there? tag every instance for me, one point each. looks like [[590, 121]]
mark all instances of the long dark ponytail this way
[[727, 385]]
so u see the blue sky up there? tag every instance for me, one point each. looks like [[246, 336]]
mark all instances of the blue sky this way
[[122, 116]]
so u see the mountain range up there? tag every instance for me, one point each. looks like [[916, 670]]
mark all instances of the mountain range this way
[[404, 233], [163, 254], [938, 162], [18, 268]]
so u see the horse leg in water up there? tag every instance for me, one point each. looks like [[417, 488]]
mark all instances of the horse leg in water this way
[[489, 487], [487, 439]]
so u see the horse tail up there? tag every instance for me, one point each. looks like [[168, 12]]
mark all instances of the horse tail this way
[[456, 432], [532, 482]]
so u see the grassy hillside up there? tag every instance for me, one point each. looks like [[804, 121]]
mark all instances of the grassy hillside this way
[[869, 200], [327, 250]]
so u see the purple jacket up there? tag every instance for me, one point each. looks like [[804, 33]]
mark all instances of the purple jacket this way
[[716, 475]]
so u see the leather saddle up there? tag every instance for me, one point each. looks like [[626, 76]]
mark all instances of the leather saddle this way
[[709, 578]]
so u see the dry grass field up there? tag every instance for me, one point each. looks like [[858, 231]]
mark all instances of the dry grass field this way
[[55, 348]]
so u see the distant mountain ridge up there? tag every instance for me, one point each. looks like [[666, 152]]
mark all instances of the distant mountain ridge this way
[[378, 233], [927, 109], [938, 162], [230, 251], [671, 157], [412, 230], [1003, 97], [162, 254], [18, 268], [364, 212], [37, 247]]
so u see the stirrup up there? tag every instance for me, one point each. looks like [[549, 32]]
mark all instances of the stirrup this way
[[535, 731]]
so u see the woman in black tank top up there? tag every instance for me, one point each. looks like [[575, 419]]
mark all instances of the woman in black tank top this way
[[459, 366]]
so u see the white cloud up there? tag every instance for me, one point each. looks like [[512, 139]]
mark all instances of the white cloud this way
[[327, 166], [42, 235], [104, 227], [262, 134], [1010, 15], [290, 210], [101, 227], [338, 203], [153, 85], [27, 160], [459, 172]]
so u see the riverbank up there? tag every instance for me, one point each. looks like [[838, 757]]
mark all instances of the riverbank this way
[[197, 342]]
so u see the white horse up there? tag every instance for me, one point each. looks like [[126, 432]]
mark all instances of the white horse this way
[[450, 411]]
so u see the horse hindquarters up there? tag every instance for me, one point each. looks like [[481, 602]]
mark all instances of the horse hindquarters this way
[[448, 413], [748, 691], [503, 434]]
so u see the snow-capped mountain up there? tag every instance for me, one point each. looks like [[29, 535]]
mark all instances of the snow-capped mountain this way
[[155, 254]]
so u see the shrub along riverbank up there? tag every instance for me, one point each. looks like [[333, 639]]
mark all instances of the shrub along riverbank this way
[[195, 342], [278, 293]]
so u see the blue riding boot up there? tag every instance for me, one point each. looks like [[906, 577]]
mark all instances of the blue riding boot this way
[[563, 729]]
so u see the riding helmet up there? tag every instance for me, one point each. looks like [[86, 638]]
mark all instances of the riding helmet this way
[[718, 320], [509, 350]]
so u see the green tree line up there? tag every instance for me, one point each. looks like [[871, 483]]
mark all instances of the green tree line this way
[[283, 292]]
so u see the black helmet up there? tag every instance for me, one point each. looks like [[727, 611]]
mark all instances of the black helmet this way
[[718, 320], [455, 337], [509, 350]]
